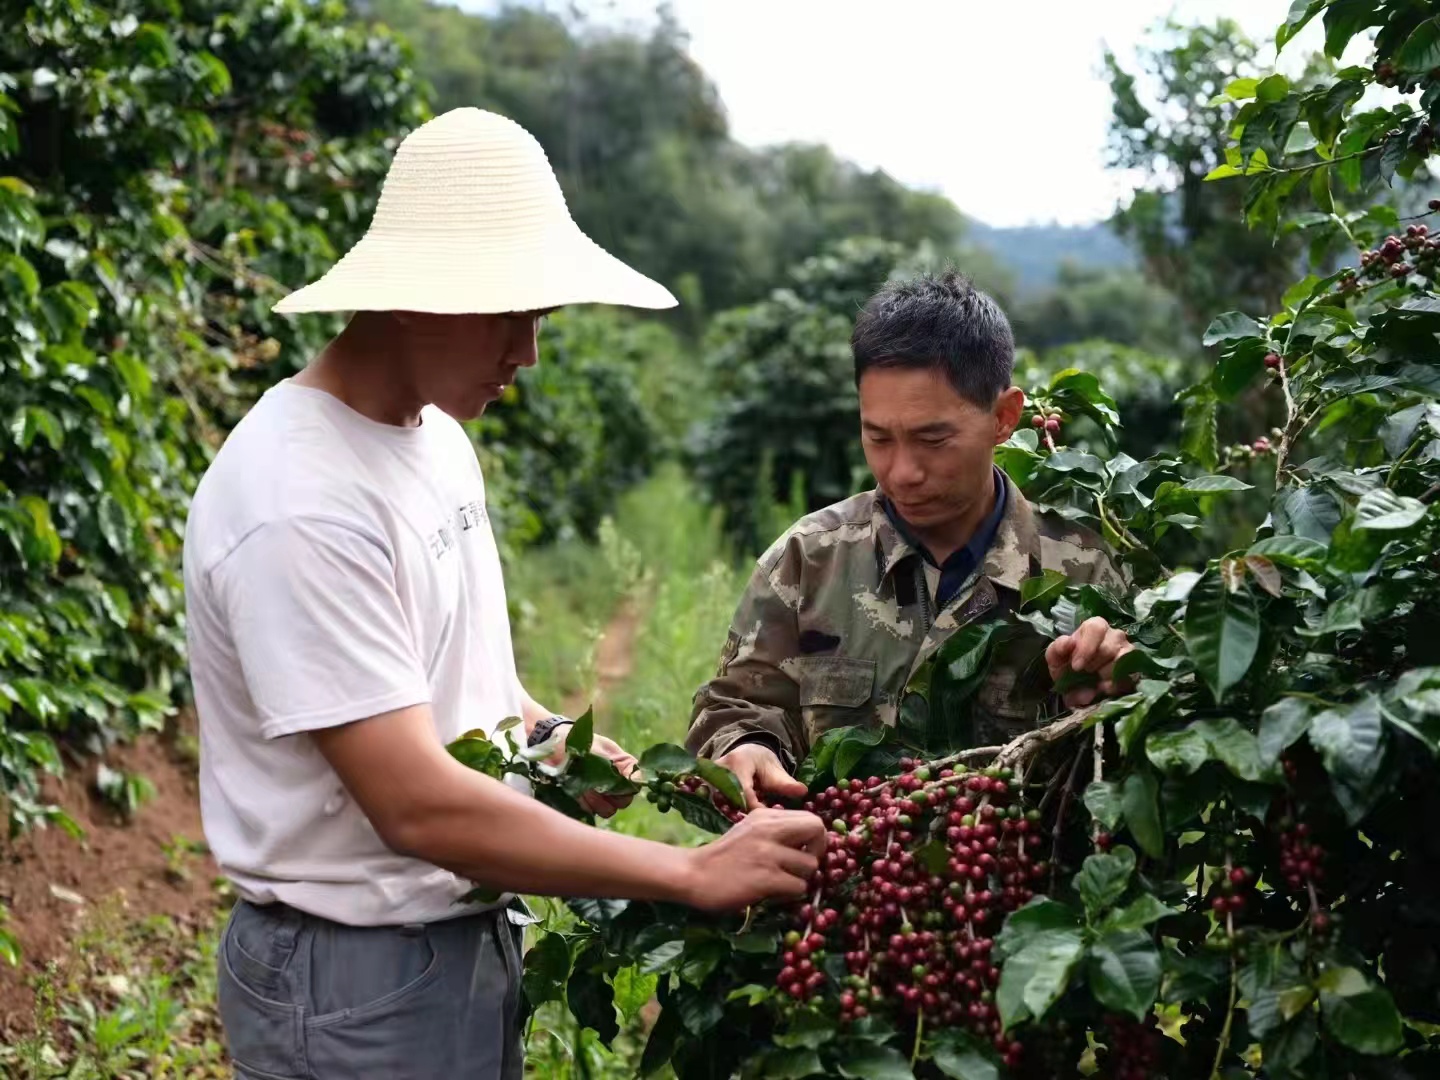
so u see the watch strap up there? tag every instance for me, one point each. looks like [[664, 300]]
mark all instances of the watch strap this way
[[546, 728]]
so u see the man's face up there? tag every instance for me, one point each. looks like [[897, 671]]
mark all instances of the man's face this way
[[464, 362], [929, 448]]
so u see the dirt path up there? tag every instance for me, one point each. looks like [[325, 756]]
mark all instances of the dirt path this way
[[614, 658]]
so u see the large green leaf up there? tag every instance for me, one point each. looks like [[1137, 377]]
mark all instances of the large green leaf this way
[[722, 780], [1349, 738], [1301, 12], [1359, 1014], [1138, 914], [1280, 726], [547, 966], [582, 734], [592, 1003], [1222, 630], [1124, 972], [1383, 509], [1298, 552], [1287, 1046], [1039, 590], [1034, 978], [854, 748], [1103, 878], [1102, 799], [1421, 51], [666, 759], [962, 1060], [792, 1064], [868, 1061], [1141, 799], [1231, 326], [1205, 485], [1183, 750], [1041, 915], [633, 991], [1193, 978]]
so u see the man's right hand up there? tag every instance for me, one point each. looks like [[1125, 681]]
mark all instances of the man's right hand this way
[[760, 773], [770, 855]]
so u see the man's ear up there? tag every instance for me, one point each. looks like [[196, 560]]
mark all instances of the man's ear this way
[[1009, 407]]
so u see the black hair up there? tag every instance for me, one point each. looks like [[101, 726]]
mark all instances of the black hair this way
[[938, 321]]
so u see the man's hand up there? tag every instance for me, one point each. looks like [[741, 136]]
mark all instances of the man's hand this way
[[771, 854], [760, 773], [604, 805], [1094, 646]]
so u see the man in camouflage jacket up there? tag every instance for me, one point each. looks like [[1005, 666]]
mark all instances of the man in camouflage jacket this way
[[843, 610]]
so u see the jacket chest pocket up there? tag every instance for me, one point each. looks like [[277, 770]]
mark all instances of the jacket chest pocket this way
[[834, 691]]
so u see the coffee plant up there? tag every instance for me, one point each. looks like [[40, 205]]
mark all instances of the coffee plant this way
[[1226, 871]]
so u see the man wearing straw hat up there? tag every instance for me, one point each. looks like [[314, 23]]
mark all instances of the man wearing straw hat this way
[[347, 619]]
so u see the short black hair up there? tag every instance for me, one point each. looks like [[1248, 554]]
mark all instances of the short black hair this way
[[938, 321]]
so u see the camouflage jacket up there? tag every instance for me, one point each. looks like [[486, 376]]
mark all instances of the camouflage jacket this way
[[837, 619]]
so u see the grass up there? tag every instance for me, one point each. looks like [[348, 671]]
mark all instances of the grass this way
[[132, 999]]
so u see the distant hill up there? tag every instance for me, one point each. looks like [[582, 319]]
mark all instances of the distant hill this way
[[1034, 253]]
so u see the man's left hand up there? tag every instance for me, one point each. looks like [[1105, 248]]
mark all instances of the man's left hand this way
[[624, 762], [1094, 646]]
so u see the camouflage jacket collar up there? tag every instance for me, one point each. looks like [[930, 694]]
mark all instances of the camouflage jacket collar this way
[[1014, 555]]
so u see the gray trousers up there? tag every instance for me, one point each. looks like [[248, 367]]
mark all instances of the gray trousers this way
[[303, 998]]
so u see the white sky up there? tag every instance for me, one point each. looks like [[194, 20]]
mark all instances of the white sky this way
[[999, 104]]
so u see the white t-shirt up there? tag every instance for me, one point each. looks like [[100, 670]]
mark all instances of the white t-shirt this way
[[335, 568]]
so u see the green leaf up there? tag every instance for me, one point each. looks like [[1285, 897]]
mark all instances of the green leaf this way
[[795, 1064], [1383, 509], [1343, 20], [1272, 88], [1239, 366], [853, 750], [1320, 190], [1193, 978], [1301, 12], [633, 991], [1297, 552], [1124, 971], [1358, 1014], [1206, 485], [599, 913], [1241, 90], [1280, 726], [1103, 878], [722, 780], [963, 1062], [591, 772], [868, 1061], [1231, 326], [582, 735], [1181, 751], [547, 966], [592, 1003], [1421, 51], [43, 543], [1137, 915], [1222, 632], [1140, 796], [661, 1044], [1072, 460], [808, 1030], [475, 751], [667, 759], [1034, 978], [1039, 590], [1041, 915], [1349, 739], [1102, 799], [1288, 1046], [1307, 511], [1199, 442], [1223, 172], [1232, 745], [699, 1012], [663, 958]]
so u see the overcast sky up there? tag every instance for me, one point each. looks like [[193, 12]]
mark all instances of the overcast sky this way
[[997, 103]]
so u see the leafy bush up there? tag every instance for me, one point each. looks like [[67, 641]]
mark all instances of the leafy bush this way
[[151, 201], [1240, 850]]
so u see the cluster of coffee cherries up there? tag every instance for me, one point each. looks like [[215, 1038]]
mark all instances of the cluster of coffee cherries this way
[[1417, 252], [1263, 446], [1048, 419], [1301, 859], [1132, 1048], [919, 873], [1231, 891], [663, 796]]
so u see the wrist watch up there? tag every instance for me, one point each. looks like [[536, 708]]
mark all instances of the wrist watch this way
[[546, 728]]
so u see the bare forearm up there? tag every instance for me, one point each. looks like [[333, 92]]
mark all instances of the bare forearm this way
[[500, 839]]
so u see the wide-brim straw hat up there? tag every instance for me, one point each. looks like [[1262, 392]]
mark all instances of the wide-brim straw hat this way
[[471, 220]]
